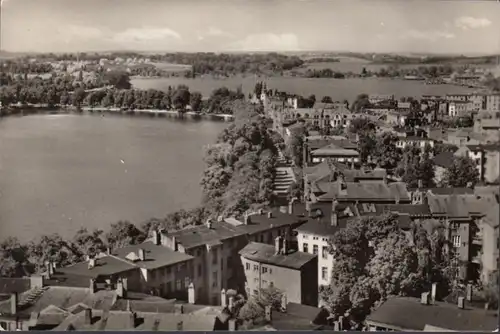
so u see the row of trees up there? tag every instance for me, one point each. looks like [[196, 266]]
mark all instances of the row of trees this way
[[25, 66], [375, 259], [324, 73]]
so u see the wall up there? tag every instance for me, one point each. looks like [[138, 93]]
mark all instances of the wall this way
[[489, 253], [320, 241], [259, 276], [491, 166], [309, 283]]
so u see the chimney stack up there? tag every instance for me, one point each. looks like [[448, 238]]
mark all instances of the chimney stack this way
[[469, 292], [91, 264], [156, 237], [396, 198], [285, 245], [290, 206], [50, 269], [261, 212], [36, 282], [88, 316], [142, 254], [269, 215], [461, 302], [232, 325], [433, 292], [13, 303], [108, 251], [191, 296], [246, 219], [92, 286], [269, 313], [334, 217], [420, 184], [231, 303], [277, 245], [284, 303], [208, 223], [223, 299], [425, 298], [132, 320], [341, 323], [119, 289]]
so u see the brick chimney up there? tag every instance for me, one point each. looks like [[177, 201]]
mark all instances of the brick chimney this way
[[36, 282], [125, 287], [13, 303], [469, 292], [92, 286], [119, 289], [277, 245], [461, 302], [284, 303], [341, 323], [284, 250], [290, 206], [232, 325], [191, 293], [156, 237], [246, 219], [433, 292], [88, 316], [269, 313], [208, 223], [91, 264], [420, 184], [424, 298], [223, 298], [231, 304], [396, 197], [50, 269], [142, 254], [269, 215]]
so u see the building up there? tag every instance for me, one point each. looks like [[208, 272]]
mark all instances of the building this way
[[378, 98], [397, 118], [487, 159], [336, 153], [291, 271], [214, 245], [459, 108], [492, 102], [426, 314], [457, 97], [148, 267], [419, 141], [489, 240], [442, 162]]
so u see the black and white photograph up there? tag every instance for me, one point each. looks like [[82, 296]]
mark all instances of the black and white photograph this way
[[250, 165]]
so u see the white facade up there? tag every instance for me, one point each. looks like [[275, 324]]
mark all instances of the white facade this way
[[317, 244]]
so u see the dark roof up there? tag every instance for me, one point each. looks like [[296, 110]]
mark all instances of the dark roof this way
[[300, 317], [156, 256], [368, 191], [160, 306], [104, 266], [444, 159], [266, 254], [11, 285], [202, 235], [323, 227], [450, 191], [334, 149], [410, 209], [409, 314], [460, 206]]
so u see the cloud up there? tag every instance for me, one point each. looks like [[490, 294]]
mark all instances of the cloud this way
[[146, 34], [468, 22], [79, 31], [427, 35], [213, 32], [268, 42]]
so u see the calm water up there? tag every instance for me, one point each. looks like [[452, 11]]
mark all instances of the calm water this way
[[336, 89], [58, 173]]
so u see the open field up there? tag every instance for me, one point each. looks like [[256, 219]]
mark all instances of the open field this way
[[337, 89]]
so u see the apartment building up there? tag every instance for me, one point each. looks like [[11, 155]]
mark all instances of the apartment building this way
[[347, 154], [378, 98], [291, 271], [487, 159], [419, 141], [459, 108], [215, 244], [492, 102]]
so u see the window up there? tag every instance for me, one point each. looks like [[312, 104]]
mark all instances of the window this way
[[270, 271], [247, 266], [456, 241], [324, 273], [315, 249], [256, 280], [264, 282], [324, 252], [315, 238], [305, 236], [305, 248], [178, 285], [325, 239], [214, 279], [200, 270], [255, 267], [169, 287], [264, 270]]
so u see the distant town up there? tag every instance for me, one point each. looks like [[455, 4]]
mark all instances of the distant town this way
[[318, 213]]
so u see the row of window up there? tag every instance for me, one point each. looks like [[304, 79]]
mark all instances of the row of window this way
[[306, 236], [179, 285], [324, 250], [264, 270], [166, 270]]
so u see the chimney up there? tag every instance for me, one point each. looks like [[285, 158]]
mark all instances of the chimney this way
[[487, 306], [304, 154], [461, 302], [269, 215], [261, 211], [180, 326], [92, 286], [125, 287], [290, 207], [433, 292], [469, 292], [88, 316], [91, 264], [420, 184], [208, 223], [142, 254], [156, 237], [232, 325], [13, 303], [277, 245], [231, 304], [396, 198], [191, 296], [36, 282], [246, 219], [132, 320], [119, 288], [48, 270], [285, 246], [341, 323], [108, 251], [425, 298], [269, 313], [284, 302], [51, 269], [223, 299], [336, 326]]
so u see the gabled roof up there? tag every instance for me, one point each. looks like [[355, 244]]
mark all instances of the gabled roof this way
[[265, 253], [401, 313]]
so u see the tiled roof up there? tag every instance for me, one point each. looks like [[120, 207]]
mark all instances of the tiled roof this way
[[323, 227], [157, 256], [369, 191], [104, 266], [164, 306], [11, 285], [62, 297], [266, 254], [399, 312], [460, 206], [450, 191], [335, 150], [202, 235]]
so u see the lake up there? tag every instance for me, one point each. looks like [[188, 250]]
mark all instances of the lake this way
[[58, 173], [337, 89]]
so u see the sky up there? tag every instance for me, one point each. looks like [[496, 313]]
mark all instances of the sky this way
[[419, 26]]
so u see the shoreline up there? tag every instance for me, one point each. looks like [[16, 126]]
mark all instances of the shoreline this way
[[151, 113]]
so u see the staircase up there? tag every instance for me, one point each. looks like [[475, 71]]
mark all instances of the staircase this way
[[31, 296], [284, 176]]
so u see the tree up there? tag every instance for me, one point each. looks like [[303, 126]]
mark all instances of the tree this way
[[181, 97], [251, 311], [118, 79], [387, 153], [326, 99], [78, 97], [361, 125], [195, 101], [462, 173], [416, 166], [295, 145], [360, 103], [124, 233], [270, 296], [12, 258], [87, 243]]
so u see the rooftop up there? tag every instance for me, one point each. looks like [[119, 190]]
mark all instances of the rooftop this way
[[460, 206], [104, 266], [265, 253], [399, 312], [323, 227], [335, 150], [11, 285], [300, 317], [368, 191]]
